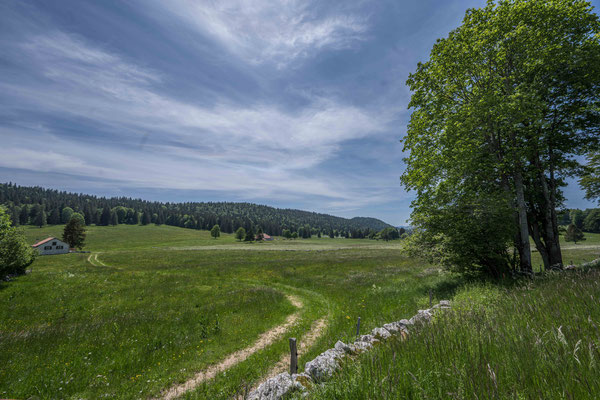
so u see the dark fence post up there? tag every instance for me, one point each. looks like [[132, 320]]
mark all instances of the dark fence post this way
[[293, 357], [358, 327]]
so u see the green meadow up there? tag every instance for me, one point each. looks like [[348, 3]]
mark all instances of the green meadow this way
[[151, 306], [161, 303]]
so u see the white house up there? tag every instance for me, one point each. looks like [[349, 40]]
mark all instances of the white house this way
[[51, 245]]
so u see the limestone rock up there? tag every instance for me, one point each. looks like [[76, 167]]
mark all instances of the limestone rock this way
[[274, 388], [324, 365], [421, 317], [395, 327], [381, 333]]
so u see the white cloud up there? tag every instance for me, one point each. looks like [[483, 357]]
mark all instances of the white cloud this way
[[258, 150], [277, 31]]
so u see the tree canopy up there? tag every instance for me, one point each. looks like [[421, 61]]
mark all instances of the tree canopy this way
[[500, 110]]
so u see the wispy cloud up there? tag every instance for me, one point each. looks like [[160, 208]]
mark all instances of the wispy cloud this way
[[259, 149], [276, 31]]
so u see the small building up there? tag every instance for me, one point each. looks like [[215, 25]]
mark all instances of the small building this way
[[50, 246], [264, 237]]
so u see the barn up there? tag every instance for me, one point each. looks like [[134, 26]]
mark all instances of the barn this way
[[50, 246]]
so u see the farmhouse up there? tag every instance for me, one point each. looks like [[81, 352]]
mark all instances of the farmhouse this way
[[51, 245], [267, 237]]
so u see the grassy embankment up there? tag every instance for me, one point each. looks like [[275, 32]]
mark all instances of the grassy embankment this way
[[153, 316], [530, 340]]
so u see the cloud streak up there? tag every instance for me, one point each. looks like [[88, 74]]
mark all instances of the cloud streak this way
[[270, 31]]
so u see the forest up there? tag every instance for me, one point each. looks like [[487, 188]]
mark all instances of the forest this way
[[39, 206]]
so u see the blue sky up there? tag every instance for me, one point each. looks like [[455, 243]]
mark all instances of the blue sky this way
[[287, 103]]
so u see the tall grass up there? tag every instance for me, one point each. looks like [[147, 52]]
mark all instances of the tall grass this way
[[536, 341]]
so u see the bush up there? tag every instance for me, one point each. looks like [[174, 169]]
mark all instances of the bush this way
[[15, 253]]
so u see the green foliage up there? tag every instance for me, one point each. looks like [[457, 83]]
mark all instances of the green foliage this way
[[389, 234], [74, 232], [79, 217], [287, 234], [295, 235], [260, 235], [493, 125], [591, 223], [66, 214], [577, 218], [591, 179], [15, 254], [40, 218], [240, 234], [215, 232], [249, 235], [574, 234]]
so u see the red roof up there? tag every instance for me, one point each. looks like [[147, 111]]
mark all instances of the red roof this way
[[42, 242], [265, 236]]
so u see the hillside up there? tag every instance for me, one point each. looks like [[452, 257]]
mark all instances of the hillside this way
[[28, 205]]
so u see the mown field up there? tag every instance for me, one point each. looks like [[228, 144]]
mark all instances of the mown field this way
[[160, 303]]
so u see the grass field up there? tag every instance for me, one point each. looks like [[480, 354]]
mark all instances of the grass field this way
[[160, 303], [152, 316], [538, 340]]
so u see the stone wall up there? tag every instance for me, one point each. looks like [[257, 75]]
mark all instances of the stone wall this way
[[324, 365]]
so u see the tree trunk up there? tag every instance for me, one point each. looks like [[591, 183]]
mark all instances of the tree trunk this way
[[524, 248], [535, 234]]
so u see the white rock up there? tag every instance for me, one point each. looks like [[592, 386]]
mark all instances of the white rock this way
[[346, 348], [421, 317], [381, 333], [324, 365], [275, 388], [395, 327]]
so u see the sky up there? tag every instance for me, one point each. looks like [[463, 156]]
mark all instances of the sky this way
[[292, 104]]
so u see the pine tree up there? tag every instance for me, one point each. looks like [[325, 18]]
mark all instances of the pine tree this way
[[54, 217], [40, 219], [74, 233], [260, 235], [24, 215], [215, 232], [574, 234], [135, 220], [114, 218], [240, 233], [249, 235], [146, 219], [105, 216]]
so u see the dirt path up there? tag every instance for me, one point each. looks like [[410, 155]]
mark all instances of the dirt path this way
[[93, 259], [316, 330], [263, 341]]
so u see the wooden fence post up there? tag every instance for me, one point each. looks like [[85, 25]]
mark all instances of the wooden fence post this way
[[293, 356], [430, 299], [358, 327]]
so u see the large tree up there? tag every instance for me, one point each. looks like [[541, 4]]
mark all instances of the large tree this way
[[74, 232], [500, 110]]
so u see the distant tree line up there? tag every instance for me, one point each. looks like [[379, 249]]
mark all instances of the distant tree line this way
[[39, 206]]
